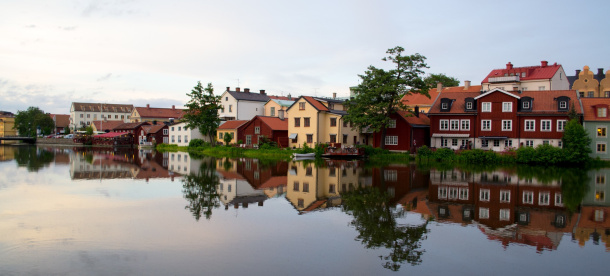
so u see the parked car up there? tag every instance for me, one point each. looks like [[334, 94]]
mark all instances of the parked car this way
[[69, 136]]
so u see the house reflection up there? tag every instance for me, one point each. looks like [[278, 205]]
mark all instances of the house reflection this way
[[594, 224]]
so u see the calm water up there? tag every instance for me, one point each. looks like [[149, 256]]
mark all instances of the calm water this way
[[66, 211]]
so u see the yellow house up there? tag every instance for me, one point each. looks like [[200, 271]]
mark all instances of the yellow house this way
[[229, 127], [586, 84], [274, 107], [7, 122], [319, 120]]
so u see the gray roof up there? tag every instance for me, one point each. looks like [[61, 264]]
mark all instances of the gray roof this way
[[249, 96], [330, 100], [339, 112]]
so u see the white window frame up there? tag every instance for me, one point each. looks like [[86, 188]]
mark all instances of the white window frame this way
[[486, 107], [483, 125], [463, 193], [391, 140], [454, 125], [526, 105], [390, 175], [504, 214], [528, 197], [507, 107], [453, 193], [561, 125], [546, 125], [544, 198], [165, 131], [508, 143], [597, 146], [444, 142], [529, 125], [444, 105], [484, 195], [257, 130], [529, 143], [597, 132], [563, 104], [469, 105], [504, 195], [442, 192], [483, 213], [507, 125], [558, 200], [392, 124], [465, 124], [444, 124]]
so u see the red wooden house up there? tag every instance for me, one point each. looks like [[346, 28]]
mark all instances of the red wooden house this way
[[156, 134], [406, 132], [453, 119], [273, 128], [132, 128]]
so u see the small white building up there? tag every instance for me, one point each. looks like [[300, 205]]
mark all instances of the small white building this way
[[238, 105], [180, 135], [530, 78]]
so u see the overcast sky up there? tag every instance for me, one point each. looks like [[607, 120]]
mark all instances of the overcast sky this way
[[136, 52]]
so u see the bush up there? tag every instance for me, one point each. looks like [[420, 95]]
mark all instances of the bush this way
[[196, 143], [547, 154], [424, 151], [369, 150], [526, 155], [479, 156], [444, 154], [320, 149], [227, 138]]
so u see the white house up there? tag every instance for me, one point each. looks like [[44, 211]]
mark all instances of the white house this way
[[530, 78], [238, 105], [180, 135], [82, 114]]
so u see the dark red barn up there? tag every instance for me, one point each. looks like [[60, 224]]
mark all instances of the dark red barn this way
[[406, 132], [273, 128]]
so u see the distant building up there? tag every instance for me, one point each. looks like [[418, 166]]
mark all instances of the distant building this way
[[529, 78], [588, 84], [82, 114], [181, 135], [242, 105], [158, 114], [7, 122], [61, 121], [230, 127]]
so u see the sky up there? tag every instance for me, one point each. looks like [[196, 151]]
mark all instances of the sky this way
[[53, 53]]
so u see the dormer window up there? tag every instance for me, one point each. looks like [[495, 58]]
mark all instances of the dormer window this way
[[602, 112], [444, 106], [469, 105], [526, 105], [563, 104]]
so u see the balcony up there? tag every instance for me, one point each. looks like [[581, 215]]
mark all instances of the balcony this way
[[504, 79]]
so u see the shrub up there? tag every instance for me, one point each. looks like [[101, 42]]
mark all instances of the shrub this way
[[227, 138], [526, 155], [547, 154], [479, 156], [424, 151], [369, 150], [444, 154], [320, 149], [196, 143]]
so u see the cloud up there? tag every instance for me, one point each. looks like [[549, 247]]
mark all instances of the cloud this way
[[108, 8], [31, 26], [68, 28], [105, 77]]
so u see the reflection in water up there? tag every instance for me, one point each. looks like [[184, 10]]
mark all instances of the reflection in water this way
[[199, 189], [33, 158], [378, 227]]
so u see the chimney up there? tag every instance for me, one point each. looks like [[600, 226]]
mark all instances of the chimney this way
[[544, 63], [509, 66], [147, 105], [262, 91], [173, 107], [416, 111], [577, 73], [289, 97], [247, 90], [439, 87], [237, 89], [600, 73], [228, 88], [466, 85], [280, 114], [334, 95]]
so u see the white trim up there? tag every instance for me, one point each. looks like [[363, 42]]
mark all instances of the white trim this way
[[496, 90]]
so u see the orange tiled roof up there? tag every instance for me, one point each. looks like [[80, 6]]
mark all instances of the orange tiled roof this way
[[544, 101], [422, 100], [130, 126], [157, 112], [107, 124], [234, 124], [458, 104], [274, 123], [230, 175], [318, 105], [589, 110], [61, 120], [153, 128], [274, 182]]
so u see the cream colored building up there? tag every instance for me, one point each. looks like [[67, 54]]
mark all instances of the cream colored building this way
[[588, 84], [319, 120], [530, 78], [83, 114], [7, 122], [274, 107]]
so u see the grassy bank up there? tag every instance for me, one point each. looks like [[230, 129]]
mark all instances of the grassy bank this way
[[223, 151]]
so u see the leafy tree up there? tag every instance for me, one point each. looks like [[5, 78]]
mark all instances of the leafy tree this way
[[576, 143], [33, 159], [432, 79], [27, 122], [89, 130], [199, 189], [380, 92], [66, 130], [202, 111], [227, 138]]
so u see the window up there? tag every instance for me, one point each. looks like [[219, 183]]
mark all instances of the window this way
[[172, 128], [546, 142], [561, 125], [453, 192], [526, 105], [295, 186], [545, 125], [302, 106], [443, 142], [220, 135], [601, 147], [486, 107], [529, 143], [544, 198], [300, 203], [486, 125], [465, 124], [179, 128], [344, 138], [306, 122], [601, 132], [483, 213], [444, 125], [333, 122], [173, 140], [581, 94], [455, 124], [333, 138], [463, 193], [508, 143], [454, 142], [528, 197], [607, 94], [600, 179], [297, 122], [308, 171], [272, 113], [484, 195], [392, 124], [560, 144], [230, 108], [530, 125], [391, 140], [496, 143], [165, 131], [309, 138], [507, 125], [248, 139], [541, 88], [442, 192], [305, 187], [81, 115], [390, 175], [469, 105], [257, 130], [558, 200], [504, 196], [507, 107], [504, 214], [226, 98], [590, 94], [344, 123], [484, 143], [600, 195], [563, 104]]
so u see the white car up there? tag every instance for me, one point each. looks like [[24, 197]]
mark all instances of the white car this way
[[69, 136]]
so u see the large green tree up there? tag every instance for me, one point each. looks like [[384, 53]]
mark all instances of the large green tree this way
[[432, 79], [202, 110], [28, 121], [380, 92], [576, 142]]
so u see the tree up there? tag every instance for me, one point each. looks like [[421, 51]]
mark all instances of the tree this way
[[576, 143], [28, 121], [432, 79], [227, 138], [380, 92], [202, 111], [200, 190]]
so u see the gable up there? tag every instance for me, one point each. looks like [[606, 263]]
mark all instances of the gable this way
[[494, 91]]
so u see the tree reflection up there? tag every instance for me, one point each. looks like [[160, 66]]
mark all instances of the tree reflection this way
[[33, 158], [376, 222], [199, 189]]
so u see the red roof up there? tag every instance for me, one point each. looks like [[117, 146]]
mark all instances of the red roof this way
[[234, 124], [457, 106], [544, 71], [274, 123], [107, 124], [155, 112], [545, 101], [414, 120], [318, 105], [590, 112], [61, 120], [281, 98], [274, 182], [129, 126], [230, 175], [153, 128], [419, 99], [111, 134]]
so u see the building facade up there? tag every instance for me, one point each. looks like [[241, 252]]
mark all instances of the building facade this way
[[82, 114]]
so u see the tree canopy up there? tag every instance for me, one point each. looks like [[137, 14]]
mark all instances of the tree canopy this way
[[576, 142], [202, 111], [28, 121], [380, 92], [432, 79]]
